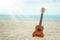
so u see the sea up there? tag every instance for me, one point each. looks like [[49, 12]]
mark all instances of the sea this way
[[29, 17]]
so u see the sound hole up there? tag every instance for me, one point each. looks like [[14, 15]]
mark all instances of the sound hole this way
[[39, 30]]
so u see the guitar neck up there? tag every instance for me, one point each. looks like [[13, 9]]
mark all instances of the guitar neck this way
[[40, 23]]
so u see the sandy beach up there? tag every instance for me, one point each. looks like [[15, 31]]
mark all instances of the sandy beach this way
[[23, 29]]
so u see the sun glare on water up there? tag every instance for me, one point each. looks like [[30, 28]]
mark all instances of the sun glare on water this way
[[10, 7]]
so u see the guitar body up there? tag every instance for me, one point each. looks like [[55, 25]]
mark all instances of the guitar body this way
[[38, 31]]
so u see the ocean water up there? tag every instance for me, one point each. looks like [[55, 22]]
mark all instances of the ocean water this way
[[29, 17]]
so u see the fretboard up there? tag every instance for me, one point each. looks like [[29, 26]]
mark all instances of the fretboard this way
[[40, 23]]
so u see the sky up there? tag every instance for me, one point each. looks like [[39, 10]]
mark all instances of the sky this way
[[29, 7]]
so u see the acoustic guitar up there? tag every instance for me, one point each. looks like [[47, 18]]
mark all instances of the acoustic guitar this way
[[39, 28]]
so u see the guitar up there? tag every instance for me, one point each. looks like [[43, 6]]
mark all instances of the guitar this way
[[39, 28]]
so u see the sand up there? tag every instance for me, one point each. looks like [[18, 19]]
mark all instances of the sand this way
[[23, 29]]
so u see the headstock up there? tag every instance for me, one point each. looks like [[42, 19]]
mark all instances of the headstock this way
[[42, 10]]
